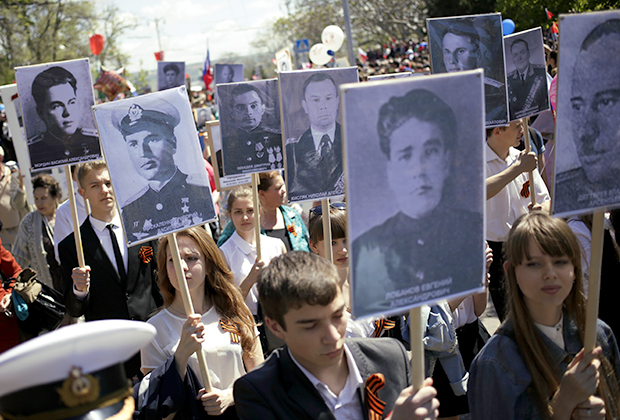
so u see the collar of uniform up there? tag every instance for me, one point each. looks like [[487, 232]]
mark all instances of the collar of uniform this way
[[241, 243], [157, 186], [318, 135], [100, 225]]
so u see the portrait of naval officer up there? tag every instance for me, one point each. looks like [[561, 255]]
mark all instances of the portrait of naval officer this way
[[429, 239], [55, 93], [527, 84], [314, 160], [172, 199]]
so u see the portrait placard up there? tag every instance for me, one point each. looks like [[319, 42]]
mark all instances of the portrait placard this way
[[215, 144], [587, 155], [283, 60], [414, 153], [56, 99], [472, 42], [390, 76], [170, 74], [311, 125], [155, 162], [528, 91], [250, 127]]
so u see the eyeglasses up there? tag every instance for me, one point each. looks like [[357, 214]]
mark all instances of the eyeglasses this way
[[318, 210]]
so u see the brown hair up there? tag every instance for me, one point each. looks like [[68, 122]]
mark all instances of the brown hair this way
[[555, 238], [294, 279], [266, 179], [338, 219], [243, 192], [85, 168], [220, 288], [49, 183]]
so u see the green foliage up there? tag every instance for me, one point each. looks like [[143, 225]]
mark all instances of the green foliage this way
[[445, 8]]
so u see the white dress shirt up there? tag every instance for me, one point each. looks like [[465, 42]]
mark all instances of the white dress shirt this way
[[318, 135]]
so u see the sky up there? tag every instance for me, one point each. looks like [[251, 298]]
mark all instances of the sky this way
[[185, 26]]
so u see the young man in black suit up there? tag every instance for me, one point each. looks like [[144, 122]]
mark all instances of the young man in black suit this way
[[319, 374], [117, 282]]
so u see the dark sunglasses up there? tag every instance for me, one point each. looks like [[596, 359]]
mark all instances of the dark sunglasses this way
[[318, 210]]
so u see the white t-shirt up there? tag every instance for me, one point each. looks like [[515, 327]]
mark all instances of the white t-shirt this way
[[224, 358], [508, 204], [240, 256]]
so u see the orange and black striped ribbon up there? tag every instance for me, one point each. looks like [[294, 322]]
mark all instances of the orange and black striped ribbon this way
[[146, 254], [235, 334], [383, 324], [374, 404]]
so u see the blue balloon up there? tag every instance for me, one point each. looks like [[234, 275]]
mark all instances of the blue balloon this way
[[330, 52], [508, 26]]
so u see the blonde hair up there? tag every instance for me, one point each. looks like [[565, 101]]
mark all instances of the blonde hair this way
[[555, 238], [220, 288]]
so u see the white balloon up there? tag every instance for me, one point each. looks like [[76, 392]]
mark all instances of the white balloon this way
[[333, 37], [318, 54]]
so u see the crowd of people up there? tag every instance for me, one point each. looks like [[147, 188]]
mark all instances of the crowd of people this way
[[273, 319]]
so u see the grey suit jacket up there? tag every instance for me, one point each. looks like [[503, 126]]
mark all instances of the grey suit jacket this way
[[279, 389]]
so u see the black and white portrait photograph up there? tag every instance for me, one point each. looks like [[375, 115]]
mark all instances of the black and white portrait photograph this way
[[170, 74], [250, 127], [389, 76], [473, 42], [155, 162], [415, 190], [526, 74], [311, 121], [587, 160], [283, 60], [228, 73], [56, 99], [222, 181]]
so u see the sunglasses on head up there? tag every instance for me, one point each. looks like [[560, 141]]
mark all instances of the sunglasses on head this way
[[318, 210]]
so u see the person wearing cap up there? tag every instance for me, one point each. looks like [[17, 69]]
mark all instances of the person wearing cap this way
[[171, 74], [55, 94], [117, 282], [172, 199], [250, 144], [74, 373]]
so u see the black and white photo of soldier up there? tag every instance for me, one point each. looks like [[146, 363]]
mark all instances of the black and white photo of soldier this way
[[528, 93], [222, 181], [472, 42], [251, 138], [425, 239], [228, 73], [588, 161], [172, 190], [59, 125], [170, 74], [314, 156]]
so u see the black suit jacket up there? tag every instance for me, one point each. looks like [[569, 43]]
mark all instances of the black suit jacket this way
[[108, 297], [279, 389], [306, 177]]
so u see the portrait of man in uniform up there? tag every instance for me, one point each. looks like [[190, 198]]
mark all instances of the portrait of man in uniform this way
[[69, 135], [433, 240], [471, 42], [591, 115], [249, 144], [310, 104], [167, 197], [527, 83], [170, 74]]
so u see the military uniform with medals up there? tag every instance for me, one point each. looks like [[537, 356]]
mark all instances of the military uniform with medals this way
[[258, 150], [47, 149], [528, 94]]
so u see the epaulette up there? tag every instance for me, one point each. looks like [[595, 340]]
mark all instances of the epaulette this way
[[137, 195], [195, 180], [292, 140], [89, 132], [36, 139], [493, 82], [272, 130], [538, 66], [512, 73]]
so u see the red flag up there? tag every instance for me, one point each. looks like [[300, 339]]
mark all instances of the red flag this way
[[159, 56], [555, 29], [549, 14]]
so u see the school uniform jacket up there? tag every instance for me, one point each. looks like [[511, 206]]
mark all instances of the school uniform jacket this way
[[279, 390]]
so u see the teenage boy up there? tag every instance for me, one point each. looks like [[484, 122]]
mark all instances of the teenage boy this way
[[319, 374]]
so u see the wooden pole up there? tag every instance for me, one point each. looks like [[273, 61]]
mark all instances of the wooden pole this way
[[416, 339], [594, 283], [257, 226], [327, 229], [74, 216], [528, 149], [187, 304]]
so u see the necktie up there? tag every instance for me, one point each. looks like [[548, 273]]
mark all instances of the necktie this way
[[325, 146], [120, 265], [375, 405], [522, 78]]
